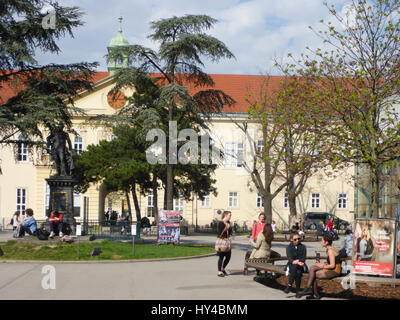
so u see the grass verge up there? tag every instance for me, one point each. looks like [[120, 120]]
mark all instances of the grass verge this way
[[15, 250]]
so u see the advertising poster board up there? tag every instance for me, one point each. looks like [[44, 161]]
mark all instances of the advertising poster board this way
[[169, 230], [374, 246]]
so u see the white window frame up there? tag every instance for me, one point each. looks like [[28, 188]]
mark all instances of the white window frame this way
[[259, 202], [179, 204], [22, 151], [233, 154], [46, 198], [76, 196], [232, 198], [206, 203], [315, 200], [342, 201], [150, 205], [260, 146], [78, 144], [20, 200], [286, 200]]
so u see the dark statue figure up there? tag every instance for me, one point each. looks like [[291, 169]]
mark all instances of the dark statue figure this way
[[59, 153]]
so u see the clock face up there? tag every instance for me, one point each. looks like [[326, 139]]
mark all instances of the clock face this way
[[116, 99]]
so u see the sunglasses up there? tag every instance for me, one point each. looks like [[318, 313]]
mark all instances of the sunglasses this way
[[296, 239]]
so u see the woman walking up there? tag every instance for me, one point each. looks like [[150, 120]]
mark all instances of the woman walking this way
[[224, 230]]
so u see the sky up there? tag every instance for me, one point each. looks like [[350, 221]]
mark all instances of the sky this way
[[255, 31]]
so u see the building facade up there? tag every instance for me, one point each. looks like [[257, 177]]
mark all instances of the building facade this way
[[23, 184]]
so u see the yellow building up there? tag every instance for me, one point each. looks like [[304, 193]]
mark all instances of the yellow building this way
[[23, 184]]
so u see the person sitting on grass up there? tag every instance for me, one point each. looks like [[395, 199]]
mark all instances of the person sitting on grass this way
[[327, 270], [296, 254], [56, 220], [28, 225]]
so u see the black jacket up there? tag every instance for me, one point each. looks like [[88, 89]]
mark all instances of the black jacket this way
[[296, 254], [220, 228]]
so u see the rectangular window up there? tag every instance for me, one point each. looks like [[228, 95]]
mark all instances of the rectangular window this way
[[260, 146], [179, 204], [233, 154], [286, 200], [260, 203], [315, 200], [206, 203], [21, 200], [22, 152], [78, 144], [77, 204], [233, 201], [150, 205], [342, 201]]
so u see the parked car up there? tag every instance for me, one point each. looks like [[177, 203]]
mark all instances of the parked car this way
[[312, 219]]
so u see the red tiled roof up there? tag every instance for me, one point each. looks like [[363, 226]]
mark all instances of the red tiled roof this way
[[237, 87]]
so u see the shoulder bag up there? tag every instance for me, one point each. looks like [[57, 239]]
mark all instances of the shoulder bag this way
[[223, 244]]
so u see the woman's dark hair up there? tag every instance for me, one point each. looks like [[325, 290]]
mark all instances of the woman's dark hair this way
[[268, 233], [29, 212], [261, 214], [224, 214], [328, 238]]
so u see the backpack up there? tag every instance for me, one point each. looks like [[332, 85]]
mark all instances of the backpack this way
[[12, 221], [42, 234]]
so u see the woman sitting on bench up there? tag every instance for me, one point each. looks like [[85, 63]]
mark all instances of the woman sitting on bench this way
[[327, 270]]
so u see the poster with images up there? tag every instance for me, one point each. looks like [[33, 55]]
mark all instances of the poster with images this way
[[169, 229], [374, 246]]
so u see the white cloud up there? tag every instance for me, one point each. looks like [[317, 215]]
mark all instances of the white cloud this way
[[255, 31]]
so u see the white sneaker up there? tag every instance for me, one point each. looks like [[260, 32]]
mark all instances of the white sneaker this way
[[61, 235], [51, 235]]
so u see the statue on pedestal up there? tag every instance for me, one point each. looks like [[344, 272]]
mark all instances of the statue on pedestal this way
[[59, 152]]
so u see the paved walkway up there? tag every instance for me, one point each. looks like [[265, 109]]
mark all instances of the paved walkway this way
[[191, 279]]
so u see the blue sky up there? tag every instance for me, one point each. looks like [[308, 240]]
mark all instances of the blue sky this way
[[256, 31]]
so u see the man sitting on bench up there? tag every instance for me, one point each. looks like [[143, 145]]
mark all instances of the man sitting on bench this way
[[56, 220], [296, 254]]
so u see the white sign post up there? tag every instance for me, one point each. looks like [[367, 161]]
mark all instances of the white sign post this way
[[133, 233], [78, 233]]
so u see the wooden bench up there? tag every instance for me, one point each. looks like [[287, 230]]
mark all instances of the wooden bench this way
[[269, 266]]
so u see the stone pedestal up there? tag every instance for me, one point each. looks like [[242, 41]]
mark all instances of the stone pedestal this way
[[62, 197]]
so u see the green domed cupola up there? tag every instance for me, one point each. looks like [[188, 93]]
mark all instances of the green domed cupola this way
[[118, 41]]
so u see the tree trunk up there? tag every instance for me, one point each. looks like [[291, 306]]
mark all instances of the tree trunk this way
[[375, 181], [128, 202], [136, 203], [155, 201], [268, 208], [291, 190]]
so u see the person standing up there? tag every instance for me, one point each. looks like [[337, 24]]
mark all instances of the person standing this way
[[224, 230], [15, 222], [296, 253], [273, 226], [258, 227]]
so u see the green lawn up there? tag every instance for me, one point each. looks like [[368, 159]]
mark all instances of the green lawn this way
[[16, 250]]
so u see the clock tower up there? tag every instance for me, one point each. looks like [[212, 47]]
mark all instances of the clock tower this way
[[120, 61]]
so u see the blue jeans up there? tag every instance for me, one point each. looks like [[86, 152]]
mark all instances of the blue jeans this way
[[52, 225]]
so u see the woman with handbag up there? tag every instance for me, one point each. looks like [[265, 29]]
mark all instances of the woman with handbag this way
[[223, 243]]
